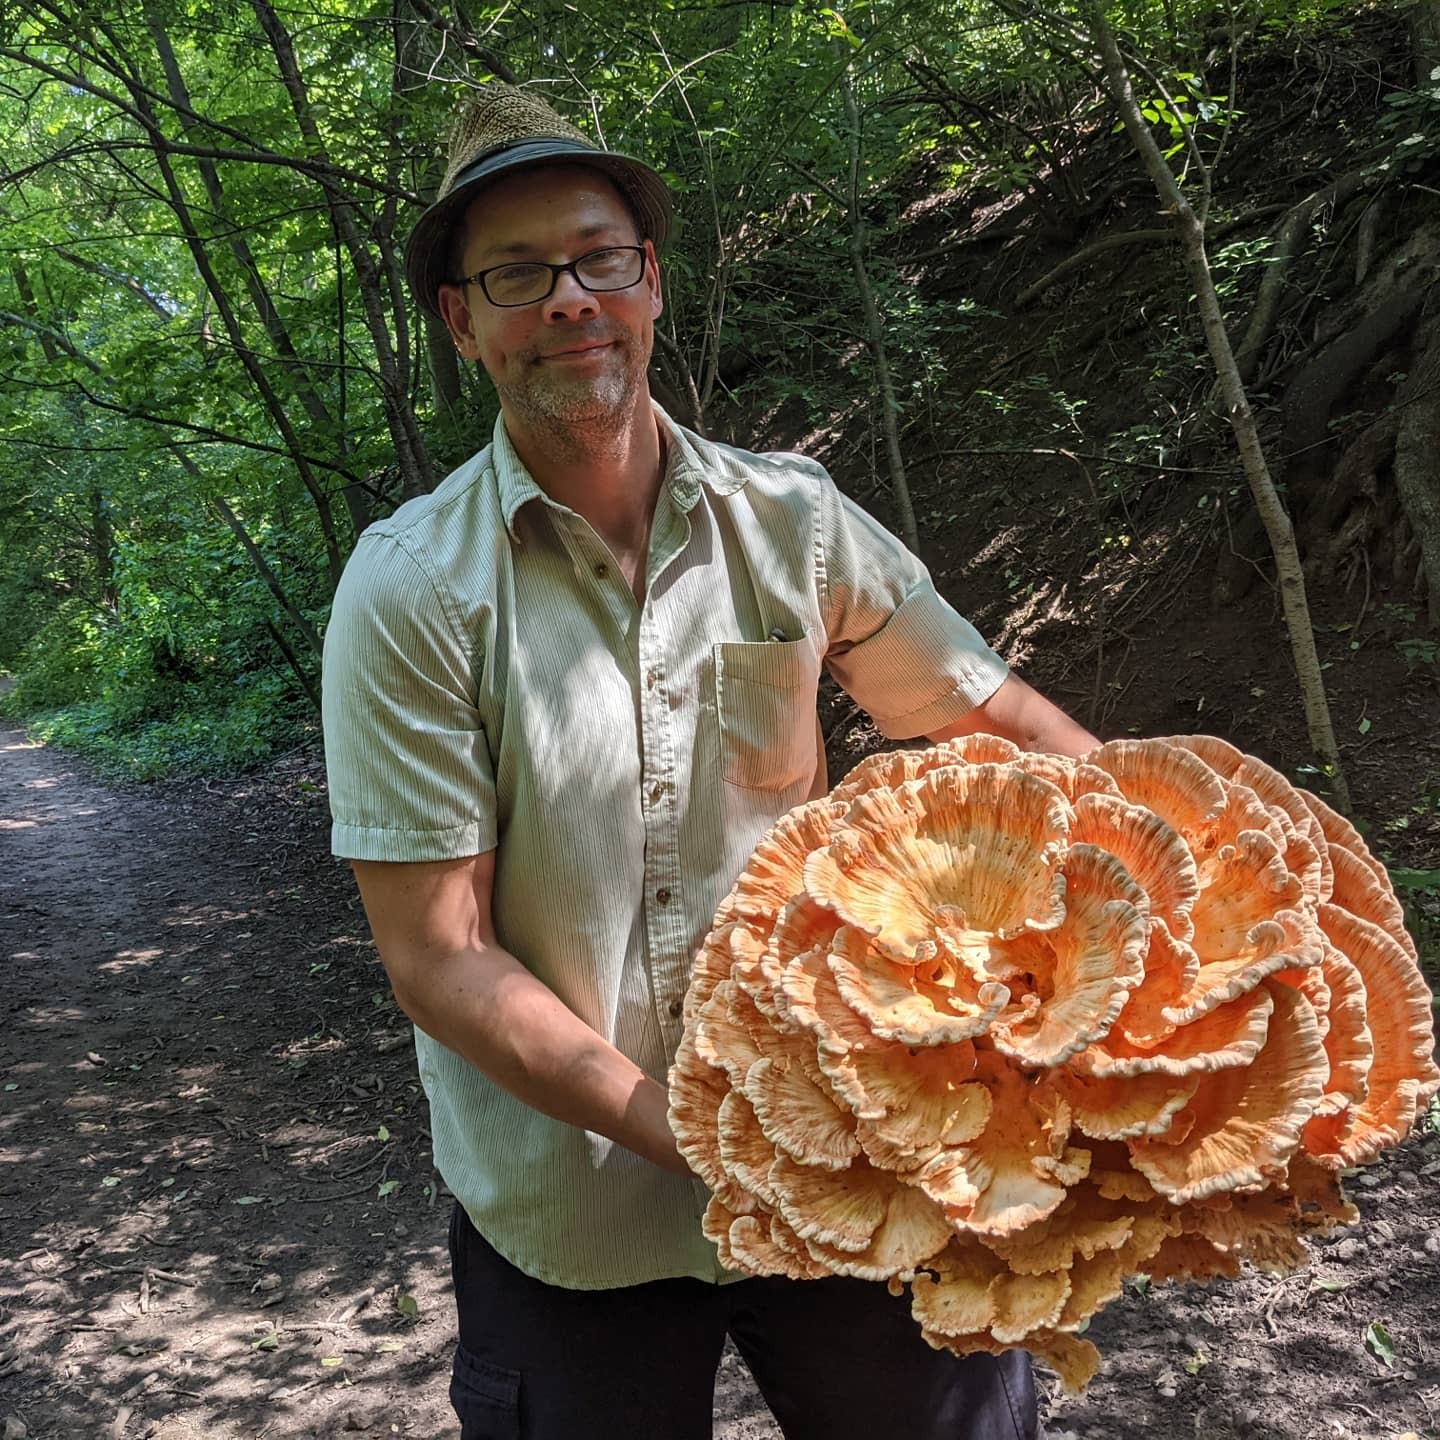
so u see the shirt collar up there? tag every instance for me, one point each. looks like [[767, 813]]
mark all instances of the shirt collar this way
[[516, 485], [685, 472]]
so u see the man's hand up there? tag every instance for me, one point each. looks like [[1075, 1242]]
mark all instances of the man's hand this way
[[433, 927], [1019, 713]]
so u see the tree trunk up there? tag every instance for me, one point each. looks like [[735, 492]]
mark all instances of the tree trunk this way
[[103, 547], [271, 579], [1242, 421], [27, 300], [416, 27], [1292, 232], [1417, 459], [682, 380], [1425, 41], [297, 669], [874, 326]]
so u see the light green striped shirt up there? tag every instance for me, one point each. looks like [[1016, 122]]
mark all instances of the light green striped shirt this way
[[490, 681]]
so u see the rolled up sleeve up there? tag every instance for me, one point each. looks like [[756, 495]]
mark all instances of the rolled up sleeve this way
[[409, 768], [898, 649]]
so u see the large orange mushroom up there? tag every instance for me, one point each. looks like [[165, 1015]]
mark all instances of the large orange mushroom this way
[[1006, 1028]]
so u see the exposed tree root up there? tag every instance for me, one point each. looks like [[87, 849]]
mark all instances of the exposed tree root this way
[[1348, 516], [1287, 244], [1166, 236], [1417, 459]]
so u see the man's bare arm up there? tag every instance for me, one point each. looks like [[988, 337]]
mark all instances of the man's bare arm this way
[[1022, 714], [432, 924]]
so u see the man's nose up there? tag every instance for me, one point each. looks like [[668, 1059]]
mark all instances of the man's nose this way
[[569, 300]]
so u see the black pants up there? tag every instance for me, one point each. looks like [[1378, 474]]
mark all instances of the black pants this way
[[839, 1359]]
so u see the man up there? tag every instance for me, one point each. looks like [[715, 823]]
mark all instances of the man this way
[[565, 694]]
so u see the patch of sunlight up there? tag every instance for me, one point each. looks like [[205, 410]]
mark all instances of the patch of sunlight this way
[[1004, 540], [44, 1015], [129, 960], [18, 824], [207, 915]]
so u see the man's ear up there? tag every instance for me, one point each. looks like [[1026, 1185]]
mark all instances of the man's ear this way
[[652, 280], [458, 320]]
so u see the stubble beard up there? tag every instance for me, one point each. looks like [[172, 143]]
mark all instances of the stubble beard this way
[[596, 404]]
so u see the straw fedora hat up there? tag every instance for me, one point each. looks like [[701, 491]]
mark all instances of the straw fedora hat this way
[[500, 129]]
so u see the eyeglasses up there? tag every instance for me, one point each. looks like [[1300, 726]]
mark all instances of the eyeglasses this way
[[615, 268]]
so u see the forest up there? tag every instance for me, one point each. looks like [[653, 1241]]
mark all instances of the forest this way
[[915, 240]]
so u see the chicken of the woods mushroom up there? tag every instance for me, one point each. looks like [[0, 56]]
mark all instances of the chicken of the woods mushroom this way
[[1006, 1028]]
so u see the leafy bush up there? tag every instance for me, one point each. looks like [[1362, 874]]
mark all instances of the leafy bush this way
[[261, 717], [57, 667]]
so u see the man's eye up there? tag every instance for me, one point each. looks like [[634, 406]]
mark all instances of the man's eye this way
[[514, 274]]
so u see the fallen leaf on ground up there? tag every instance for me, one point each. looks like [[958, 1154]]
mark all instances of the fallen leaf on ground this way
[[1379, 1343]]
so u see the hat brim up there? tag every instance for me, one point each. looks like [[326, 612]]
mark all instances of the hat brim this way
[[427, 250]]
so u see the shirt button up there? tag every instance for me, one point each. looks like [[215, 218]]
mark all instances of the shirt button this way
[[676, 1009], [657, 791], [601, 570], [652, 678], [662, 896]]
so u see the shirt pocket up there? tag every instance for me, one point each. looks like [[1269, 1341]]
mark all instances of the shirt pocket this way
[[765, 697]]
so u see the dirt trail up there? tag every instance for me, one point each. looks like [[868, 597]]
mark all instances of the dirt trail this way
[[215, 1207], [218, 1216]]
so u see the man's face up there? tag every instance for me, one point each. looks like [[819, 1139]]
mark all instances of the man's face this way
[[575, 357]]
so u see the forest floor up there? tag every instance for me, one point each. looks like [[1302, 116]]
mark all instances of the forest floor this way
[[218, 1216]]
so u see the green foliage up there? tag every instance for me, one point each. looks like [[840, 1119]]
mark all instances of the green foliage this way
[[1185, 107], [57, 666], [147, 699], [202, 736], [183, 327], [1412, 119]]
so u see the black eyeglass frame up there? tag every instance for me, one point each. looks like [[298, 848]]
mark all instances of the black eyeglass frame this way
[[556, 271]]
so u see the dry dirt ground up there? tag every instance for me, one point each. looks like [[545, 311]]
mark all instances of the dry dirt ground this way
[[218, 1216]]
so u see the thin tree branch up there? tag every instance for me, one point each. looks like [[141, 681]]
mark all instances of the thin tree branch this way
[[318, 169]]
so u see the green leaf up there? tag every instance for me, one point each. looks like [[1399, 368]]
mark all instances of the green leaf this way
[[407, 1306], [388, 1187], [330, 1361], [1416, 879], [382, 1133], [249, 1200], [268, 1341], [1364, 726], [1379, 1343]]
